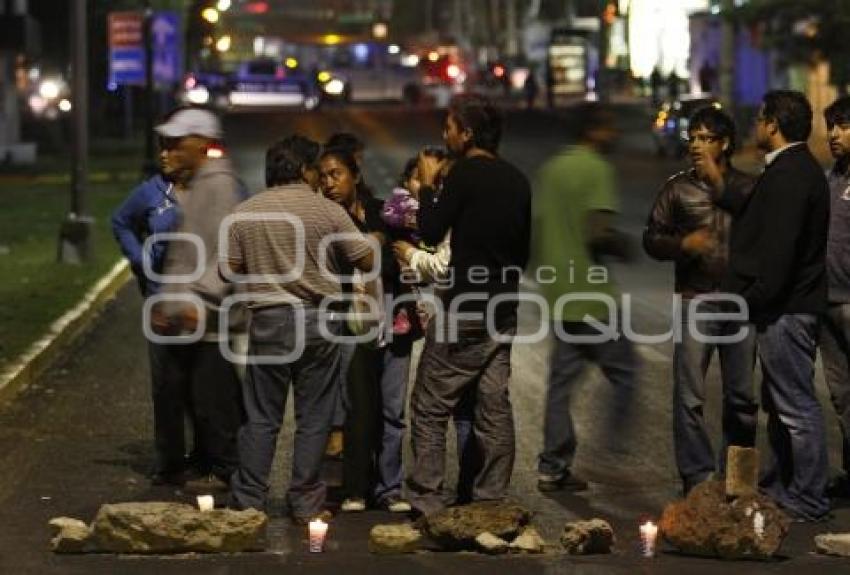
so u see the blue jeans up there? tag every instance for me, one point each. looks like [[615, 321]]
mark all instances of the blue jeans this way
[[394, 366], [313, 377], [618, 362], [695, 457], [797, 471]]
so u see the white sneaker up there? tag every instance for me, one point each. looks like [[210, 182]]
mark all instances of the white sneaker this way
[[398, 506], [353, 505]]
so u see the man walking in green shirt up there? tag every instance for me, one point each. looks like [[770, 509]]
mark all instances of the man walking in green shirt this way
[[574, 208]]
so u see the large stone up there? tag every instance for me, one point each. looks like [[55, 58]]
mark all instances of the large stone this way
[[742, 471], [490, 544], [70, 535], [833, 544], [177, 528], [592, 537], [707, 523], [529, 541], [457, 527], [394, 539]]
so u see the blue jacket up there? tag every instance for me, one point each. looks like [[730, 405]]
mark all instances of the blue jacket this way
[[150, 209]]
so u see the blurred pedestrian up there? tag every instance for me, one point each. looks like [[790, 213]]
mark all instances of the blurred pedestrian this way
[[707, 76], [688, 227], [835, 327], [281, 308], [199, 372], [673, 86], [778, 265], [486, 202], [574, 215], [531, 88], [656, 80]]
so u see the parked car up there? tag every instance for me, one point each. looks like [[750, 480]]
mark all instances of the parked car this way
[[670, 126]]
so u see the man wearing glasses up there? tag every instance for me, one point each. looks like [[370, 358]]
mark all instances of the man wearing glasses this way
[[835, 327], [688, 227], [778, 265]]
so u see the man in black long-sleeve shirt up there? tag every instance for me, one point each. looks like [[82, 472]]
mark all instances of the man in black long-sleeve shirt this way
[[486, 202]]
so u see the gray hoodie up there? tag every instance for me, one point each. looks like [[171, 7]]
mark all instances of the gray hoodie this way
[[212, 195]]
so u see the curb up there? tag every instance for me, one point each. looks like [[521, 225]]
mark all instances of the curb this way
[[44, 353], [65, 178]]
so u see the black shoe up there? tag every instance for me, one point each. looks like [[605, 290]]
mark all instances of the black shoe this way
[[567, 482], [800, 517], [174, 478], [839, 488], [206, 484]]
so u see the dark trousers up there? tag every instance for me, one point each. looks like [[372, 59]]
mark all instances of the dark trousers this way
[[567, 364], [796, 475], [312, 375], [360, 435], [835, 354], [468, 456], [695, 456], [197, 383], [447, 371]]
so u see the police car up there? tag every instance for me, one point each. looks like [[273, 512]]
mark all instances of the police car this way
[[267, 83]]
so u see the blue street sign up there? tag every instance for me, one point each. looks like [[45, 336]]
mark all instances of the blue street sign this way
[[127, 62], [165, 37], [127, 66]]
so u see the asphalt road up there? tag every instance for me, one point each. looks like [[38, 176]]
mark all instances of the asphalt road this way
[[81, 437]]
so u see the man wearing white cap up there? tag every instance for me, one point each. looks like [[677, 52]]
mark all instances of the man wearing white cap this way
[[198, 373]]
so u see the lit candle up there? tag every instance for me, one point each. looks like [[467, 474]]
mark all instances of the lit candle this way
[[206, 502], [648, 535], [318, 531]]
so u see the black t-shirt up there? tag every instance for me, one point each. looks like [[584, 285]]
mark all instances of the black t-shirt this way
[[486, 203]]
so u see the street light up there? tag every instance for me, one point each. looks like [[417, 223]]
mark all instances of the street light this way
[[223, 44], [223, 5], [380, 31], [211, 15]]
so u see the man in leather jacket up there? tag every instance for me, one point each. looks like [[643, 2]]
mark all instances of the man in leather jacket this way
[[687, 226]]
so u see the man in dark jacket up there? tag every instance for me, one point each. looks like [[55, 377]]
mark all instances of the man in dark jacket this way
[[687, 226], [778, 265]]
